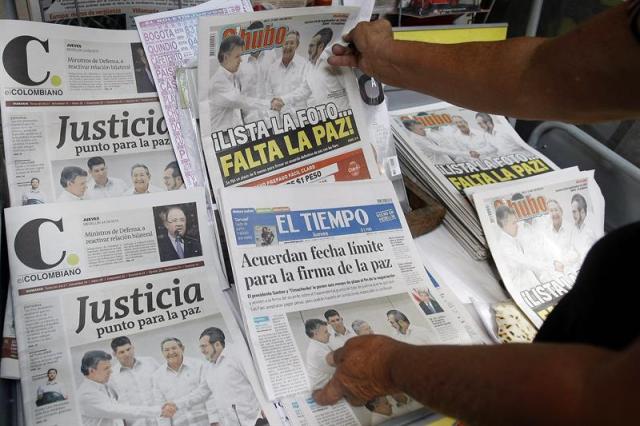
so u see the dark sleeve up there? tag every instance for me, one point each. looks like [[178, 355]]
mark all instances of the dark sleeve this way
[[634, 18], [602, 307]]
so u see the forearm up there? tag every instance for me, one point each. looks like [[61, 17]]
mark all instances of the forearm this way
[[501, 385], [586, 75]]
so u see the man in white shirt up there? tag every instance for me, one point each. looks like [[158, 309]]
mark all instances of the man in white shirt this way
[[320, 365], [226, 383], [361, 328], [177, 377], [471, 142], [340, 333], [322, 83], [74, 181], [226, 100], [52, 390], [287, 76], [102, 186], [33, 195], [253, 74], [405, 331], [172, 177], [558, 239], [521, 269], [438, 148], [98, 401], [141, 181], [132, 377], [582, 237], [502, 141]]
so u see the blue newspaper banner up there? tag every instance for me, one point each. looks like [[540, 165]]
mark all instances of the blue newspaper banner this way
[[265, 227]]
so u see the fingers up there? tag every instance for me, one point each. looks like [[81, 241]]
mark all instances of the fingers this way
[[331, 393], [343, 61], [349, 36]]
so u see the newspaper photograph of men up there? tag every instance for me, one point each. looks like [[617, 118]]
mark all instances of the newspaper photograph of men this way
[[272, 102]]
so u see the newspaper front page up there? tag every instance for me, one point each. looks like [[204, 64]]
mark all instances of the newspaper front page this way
[[317, 265], [107, 14], [539, 233], [170, 40], [80, 116], [271, 108], [120, 312]]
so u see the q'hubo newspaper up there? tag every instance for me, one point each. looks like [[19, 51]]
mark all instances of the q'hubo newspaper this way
[[119, 311], [446, 149], [80, 115], [316, 265], [170, 40], [539, 232], [272, 110]]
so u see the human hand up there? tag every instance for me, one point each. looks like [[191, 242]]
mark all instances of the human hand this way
[[169, 409], [363, 371], [369, 43], [277, 104]]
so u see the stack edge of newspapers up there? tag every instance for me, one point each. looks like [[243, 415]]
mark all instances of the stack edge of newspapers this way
[[316, 265], [446, 149], [539, 230]]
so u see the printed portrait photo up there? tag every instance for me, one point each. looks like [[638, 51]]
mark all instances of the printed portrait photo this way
[[177, 231]]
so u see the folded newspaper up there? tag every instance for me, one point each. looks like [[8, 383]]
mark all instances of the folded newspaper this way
[[270, 115], [113, 327], [539, 231], [80, 115], [445, 149], [316, 265]]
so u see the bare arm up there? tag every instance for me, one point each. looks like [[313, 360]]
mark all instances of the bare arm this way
[[498, 385], [589, 74]]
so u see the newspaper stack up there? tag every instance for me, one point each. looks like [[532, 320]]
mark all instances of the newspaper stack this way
[[81, 121], [114, 327], [539, 231], [318, 264], [445, 149]]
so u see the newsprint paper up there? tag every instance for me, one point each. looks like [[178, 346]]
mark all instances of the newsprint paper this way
[[539, 231], [170, 40], [272, 110], [111, 14], [80, 115], [318, 264], [447, 149], [9, 368], [112, 325]]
